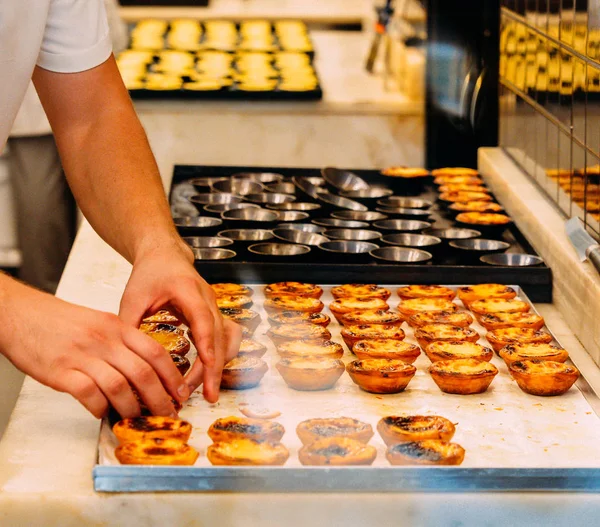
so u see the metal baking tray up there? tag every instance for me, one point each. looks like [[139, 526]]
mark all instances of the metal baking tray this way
[[537, 281], [513, 441]]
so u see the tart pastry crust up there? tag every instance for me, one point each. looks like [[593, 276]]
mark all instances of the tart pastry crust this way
[[295, 349], [463, 376], [306, 332], [352, 334], [425, 335], [152, 427], [246, 452], [452, 318], [225, 289], [157, 451], [453, 350], [410, 307], [310, 374], [163, 316], [244, 317], [292, 303], [312, 430], [360, 290], [426, 291], [299, 317], [372, 316], [427, 452], [252, 348], [381, 375], [543, 377], [293, 289], [533, 351], [386, 349], [337, 451], [511, 320], [395, 429], [243, 372], [233, 427], [471, 293], [498, 338], [237, 301], [345, 305]]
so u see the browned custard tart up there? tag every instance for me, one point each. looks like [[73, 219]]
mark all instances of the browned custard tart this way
[[465, 196], [244, 317], [293, 289], [426, 291], [308, 332], [405, 172], [408, 308], [372, 316], [172, 342], [386, 349], [470, 293], [425, 335], [164, 316], [247, 452], [449, 188], [337, 451], [455, 171], [312, 430], [533, 351], [252, 348], [293, 303], [310, 374], [243, 372], [299, 317], [463, 376], [498, 338], [458, 180], [491, 306], [236, 302], [346, 305], [352, 334], [233, 427], [455, 318], [483, 218], [543, 377], [395, 429], [156, 451], [295, 349], [453, 350], [181, 363], [149, 327], [511, 320], [232, 290], [360, 291], [381, 375], [476, 206], [427, 452], [152, 427]]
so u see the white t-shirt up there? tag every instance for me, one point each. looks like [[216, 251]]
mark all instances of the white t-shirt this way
[[65, 36]]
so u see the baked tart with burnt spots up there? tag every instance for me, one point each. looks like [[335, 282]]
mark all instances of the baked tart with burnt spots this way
[[345, 305], [455, 171], [233, 427], [543, 377], [244, 317], [455, 318], [247, 452], [171, 341], [395, 429], [149, 327], [312, 430], [234, 302], [453, 197], [293, 289], [152, 427], [164, 316], [288, 332], [337, 451], [310, 374], [299, 317], [426, 291], [181, 363], [360, 290], [457, 180], [476, 206], [425, 335], [470, 293], [243, 372], [382, 317], [276, 304], [352, 334], [156, 451], [498, 338], [463, 376], [232, 290], [533, 351], [491, 306], [387, 349], [511, 320], [427, 452], [408, 308], [301, 349], [252, 348], [450, 188], [406, 172], [381, 375], [454, 350]]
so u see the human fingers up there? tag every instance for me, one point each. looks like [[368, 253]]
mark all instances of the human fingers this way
[[85, 390], [233, 337], [195, 377], [133, 307], [212, 374]]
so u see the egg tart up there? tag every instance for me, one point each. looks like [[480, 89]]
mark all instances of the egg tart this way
[[410, 307], [454, 197], [172, 342], [234, 302], [252, 348], [381, 375], [511, 320], [452, 318], [449, 188], [352, 334], [293, 303], [476, 206], [470, 293], [425, 335], [372, 316], [345, 305], [457, 180], [360, 290], [294, 289], [543, 377], [498, 305], [307, 332], [181, 363], [310, 374], [244, 317], [483, 218], [426, 291], [386, 349], [337, 451], [299, 317], [233, 427], [232, 290], [247, 452], [395, 429], [243, 372], [405, 172], [498, 338], [455, 171], [163, 317], [453, 350], [152, 427], [295, 349], [149, 327], [533, 351], [314, 429], [463, 376], [156, 451], [427, 452]]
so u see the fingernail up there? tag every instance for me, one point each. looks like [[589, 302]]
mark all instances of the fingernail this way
[[183, 391]]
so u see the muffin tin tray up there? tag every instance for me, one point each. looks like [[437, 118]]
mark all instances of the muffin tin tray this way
[[513, 441], [318, 267]]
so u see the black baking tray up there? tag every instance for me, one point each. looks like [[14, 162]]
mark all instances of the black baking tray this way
[[536, 281]]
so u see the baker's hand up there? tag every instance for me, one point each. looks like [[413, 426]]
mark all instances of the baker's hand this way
[[90, 354], [166, 278]]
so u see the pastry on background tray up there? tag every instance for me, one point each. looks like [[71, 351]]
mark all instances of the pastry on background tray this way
[[295, 349], [489, 306], [463, 376], [337, 451], [360, 290], [345, 305], [426, 291], [243, 372], [226, 289], [410, 307], [454, 171], [382, 317], [511, 320], [405, 172], [381, 375], [310, 374], [533, 351], [299, 317], [251, 347], [312, 430], [498, 338], [152, 427], [387, 349], [307, 332], [233, 427], [425, 335], [275, 304], [352, 334], [427, 452], [234, 301], [156, 451], [453, 350], [471, 293], [543, 377], [294, 289], [452, 318], [163, 316], [148, 327], [244, 317], [246, 452], [395, 429]]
